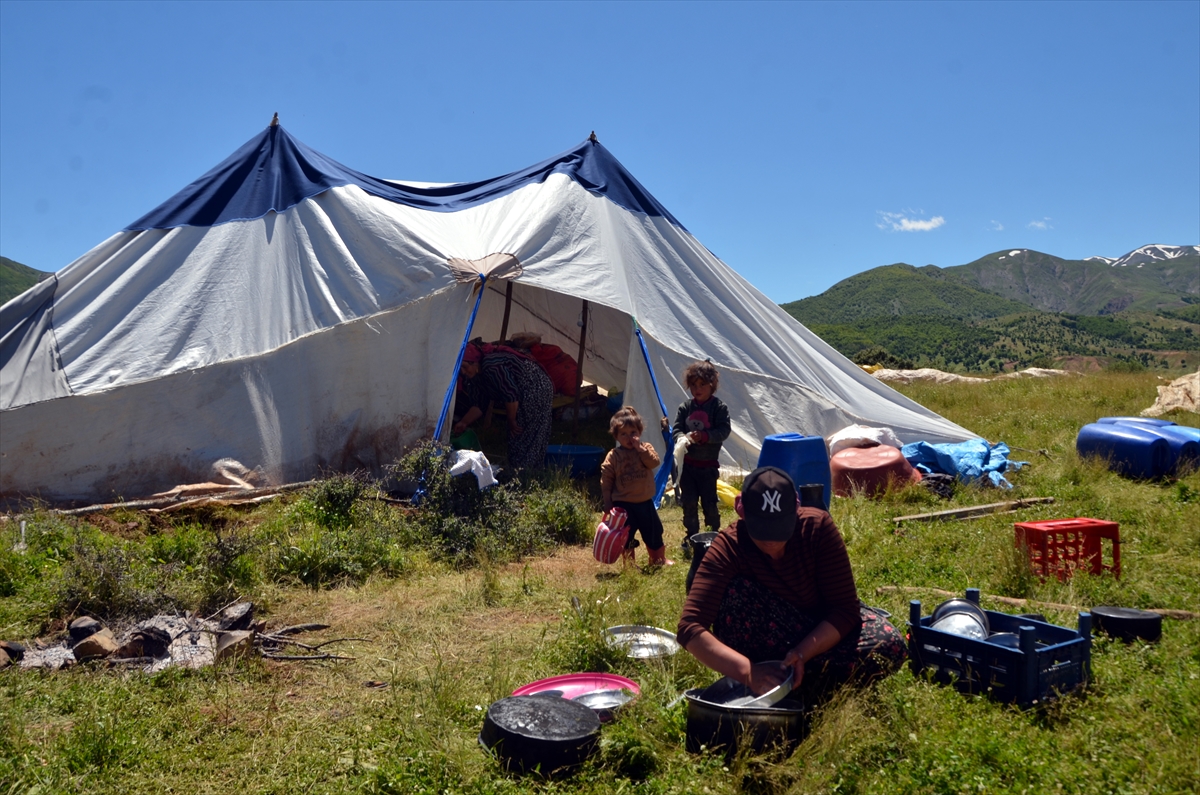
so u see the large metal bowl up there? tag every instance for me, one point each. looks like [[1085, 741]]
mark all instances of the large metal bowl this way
[[642, 642], [731, 693], [961, 617]]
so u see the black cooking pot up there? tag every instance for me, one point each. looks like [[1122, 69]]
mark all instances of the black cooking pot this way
[[541, 733], [1127, 623], [715, 726], [699, 543]]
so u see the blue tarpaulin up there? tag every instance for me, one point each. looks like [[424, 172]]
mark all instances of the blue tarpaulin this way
[[970, 462]]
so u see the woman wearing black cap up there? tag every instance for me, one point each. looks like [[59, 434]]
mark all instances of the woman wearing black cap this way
[[777, 585]]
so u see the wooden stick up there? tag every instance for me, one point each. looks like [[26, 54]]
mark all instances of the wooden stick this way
[[1180, 615], [507, 308], [115, 661], [164, 501], [297, 629], [269, 640], [341, 640], [583, 323], [270, 656], [988, 515], [974, 510], [214, 501]]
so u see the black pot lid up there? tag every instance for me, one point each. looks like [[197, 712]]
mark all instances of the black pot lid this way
[[541, 718], [1127, 622]]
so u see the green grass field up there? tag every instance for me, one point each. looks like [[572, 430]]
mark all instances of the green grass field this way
[[456, 612]]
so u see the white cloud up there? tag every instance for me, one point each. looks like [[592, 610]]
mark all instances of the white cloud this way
[[900, 222], [997, 226], [1041, 225]]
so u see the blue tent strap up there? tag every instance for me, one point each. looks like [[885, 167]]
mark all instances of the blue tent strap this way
[[462, 349], [664, 469]]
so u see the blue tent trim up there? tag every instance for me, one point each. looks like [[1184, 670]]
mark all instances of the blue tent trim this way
[[273, 172]]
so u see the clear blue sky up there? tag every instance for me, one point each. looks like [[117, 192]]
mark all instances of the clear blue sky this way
[[802, 142]]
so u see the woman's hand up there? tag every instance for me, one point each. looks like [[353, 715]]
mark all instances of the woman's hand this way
[[472, 414], [823, 638], [765, 676], [795, 660]]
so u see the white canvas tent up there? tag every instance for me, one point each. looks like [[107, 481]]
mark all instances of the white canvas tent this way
[[299, 316]]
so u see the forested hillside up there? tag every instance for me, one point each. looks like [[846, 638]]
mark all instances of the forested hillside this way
[[903, 316], [901, 291], [16, 278]]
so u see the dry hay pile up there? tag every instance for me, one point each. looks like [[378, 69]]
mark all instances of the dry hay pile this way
[[925, 374], [940, 377], [1036, 372]]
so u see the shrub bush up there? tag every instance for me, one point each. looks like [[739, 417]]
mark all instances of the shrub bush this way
[[459, 523], [877, 354]]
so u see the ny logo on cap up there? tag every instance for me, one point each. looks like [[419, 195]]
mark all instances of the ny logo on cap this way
[[771, 501]]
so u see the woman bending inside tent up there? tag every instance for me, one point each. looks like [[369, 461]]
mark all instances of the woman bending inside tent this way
[[777, 585], [514, 380]]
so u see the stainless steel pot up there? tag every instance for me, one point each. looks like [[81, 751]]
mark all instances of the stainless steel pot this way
[[716, 726], [961, 617]]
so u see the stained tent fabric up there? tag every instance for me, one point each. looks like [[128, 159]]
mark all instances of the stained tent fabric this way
[[302, 317]]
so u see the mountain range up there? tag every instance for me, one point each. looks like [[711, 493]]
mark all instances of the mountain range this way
[[1018, 307]]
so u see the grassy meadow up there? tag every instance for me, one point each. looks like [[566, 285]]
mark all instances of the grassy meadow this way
[[463, 600]]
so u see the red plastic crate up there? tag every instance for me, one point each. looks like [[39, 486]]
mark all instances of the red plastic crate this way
[[1063, 546]]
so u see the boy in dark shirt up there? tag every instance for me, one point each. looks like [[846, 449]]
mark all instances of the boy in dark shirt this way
[[703, 424]]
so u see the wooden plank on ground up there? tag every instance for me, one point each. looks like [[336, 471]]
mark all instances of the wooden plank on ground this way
[[974, 510]]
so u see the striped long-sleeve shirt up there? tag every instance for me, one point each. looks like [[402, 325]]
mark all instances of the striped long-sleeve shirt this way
[[814, 575]]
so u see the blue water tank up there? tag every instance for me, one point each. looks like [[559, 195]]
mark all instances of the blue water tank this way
[[804, 458], [1129, 449], [1185, 447], [1186, 430], [1139, 420]]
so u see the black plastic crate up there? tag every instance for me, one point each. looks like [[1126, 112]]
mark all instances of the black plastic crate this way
[[1049, 661]]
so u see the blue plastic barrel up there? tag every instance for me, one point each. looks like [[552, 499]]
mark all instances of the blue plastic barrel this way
[[1139, 420], [1185, 447], [1130, 450], [1186, 430], [804, 458], [581, 459]]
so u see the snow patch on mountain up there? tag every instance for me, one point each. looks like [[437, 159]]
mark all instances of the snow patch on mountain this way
[[1148, 254]]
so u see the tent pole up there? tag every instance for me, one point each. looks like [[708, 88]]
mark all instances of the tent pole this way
[[441, 423], [664, 470], [579, 369], [507, 309]]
